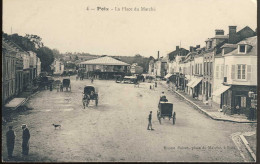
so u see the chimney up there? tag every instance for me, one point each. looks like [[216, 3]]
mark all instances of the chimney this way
[[219, 32], [191, 48], [177, 48], [232, 29], [232, 34], [158, 54]]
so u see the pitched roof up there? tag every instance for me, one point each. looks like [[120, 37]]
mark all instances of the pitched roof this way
[[252, 41], [106, 60]]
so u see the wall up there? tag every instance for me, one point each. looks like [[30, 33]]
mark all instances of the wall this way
[[232, 61], [218, 76]]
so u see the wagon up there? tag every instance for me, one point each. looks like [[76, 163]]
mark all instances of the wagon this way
[[90, 93], [165, 109], [66, 84]]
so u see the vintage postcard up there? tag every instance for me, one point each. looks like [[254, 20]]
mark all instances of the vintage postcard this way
[[129, 81]]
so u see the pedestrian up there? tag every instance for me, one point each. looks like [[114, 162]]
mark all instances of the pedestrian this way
[[61, 87], [238, 109], [10, 139], [155, 84], [150, 121], [26, 138], [150, 87]]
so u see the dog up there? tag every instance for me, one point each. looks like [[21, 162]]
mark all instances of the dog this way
[[55, 126]]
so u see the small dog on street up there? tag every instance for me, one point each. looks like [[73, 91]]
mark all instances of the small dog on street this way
[[56, 126]]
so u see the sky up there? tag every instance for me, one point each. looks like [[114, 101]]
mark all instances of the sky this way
[[68, 26]]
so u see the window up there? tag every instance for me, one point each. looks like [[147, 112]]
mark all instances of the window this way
[[242, 48], [200, 68], [241, 71], [243, 101]]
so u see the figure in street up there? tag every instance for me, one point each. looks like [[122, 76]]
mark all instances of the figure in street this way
[[61, 88], [10, 140], [26, 138], [150, 121]]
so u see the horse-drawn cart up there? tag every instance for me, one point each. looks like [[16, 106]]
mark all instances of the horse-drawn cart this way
[[165, 109], [66, 84], [89, 94]]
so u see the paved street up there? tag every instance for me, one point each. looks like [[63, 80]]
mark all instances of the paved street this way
[[116, 130]]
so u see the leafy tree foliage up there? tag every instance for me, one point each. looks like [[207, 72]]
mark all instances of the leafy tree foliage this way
[[36, 40], [46, 56]]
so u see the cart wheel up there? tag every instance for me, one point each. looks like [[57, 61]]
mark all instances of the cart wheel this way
[[70, 88], [173, 118], [96, 102], [160, 120], [87, 103]]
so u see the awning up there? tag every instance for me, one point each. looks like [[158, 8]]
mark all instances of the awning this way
[[168, 75], [14, 103], [220, 90], [196, 82], [190, 83]]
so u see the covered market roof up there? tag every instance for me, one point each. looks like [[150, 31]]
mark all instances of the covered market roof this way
[[106, 60]]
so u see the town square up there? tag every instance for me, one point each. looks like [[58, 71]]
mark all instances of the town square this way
[[117, 86]]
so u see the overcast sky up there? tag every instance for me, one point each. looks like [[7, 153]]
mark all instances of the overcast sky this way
[[67, 26]]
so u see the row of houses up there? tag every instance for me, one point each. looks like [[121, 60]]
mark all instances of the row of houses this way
[[19, 69], [224, 71]]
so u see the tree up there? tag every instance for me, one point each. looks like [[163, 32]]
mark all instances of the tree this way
[[46, 56], [21, 41], [36, 40]]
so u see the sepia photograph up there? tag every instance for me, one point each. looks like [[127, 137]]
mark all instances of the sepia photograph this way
[[129, 81]]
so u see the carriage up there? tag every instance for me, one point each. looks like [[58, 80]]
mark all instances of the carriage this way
[[165, 109], [90, 93], [66, 84]]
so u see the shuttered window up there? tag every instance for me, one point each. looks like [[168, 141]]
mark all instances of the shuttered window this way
[[241, 71], [233, 72], [217, 70], [249, 72]]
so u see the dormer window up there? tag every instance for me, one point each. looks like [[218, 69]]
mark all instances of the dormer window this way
[[242, 49]]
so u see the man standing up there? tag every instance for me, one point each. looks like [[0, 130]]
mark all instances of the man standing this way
[[26, 137], [150, 121], [10, 139]]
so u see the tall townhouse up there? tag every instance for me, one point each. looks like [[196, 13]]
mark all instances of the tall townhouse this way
[[151, 67], [19, 73], [208, 60], [8, 71], [26, 70], [220, 69], [33, 65], [174, 59], [38, 66], [239, 77], [194, 86], [58, 67]]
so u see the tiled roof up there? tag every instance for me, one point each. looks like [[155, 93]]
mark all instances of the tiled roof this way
[[226, 45], [106, 60]]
